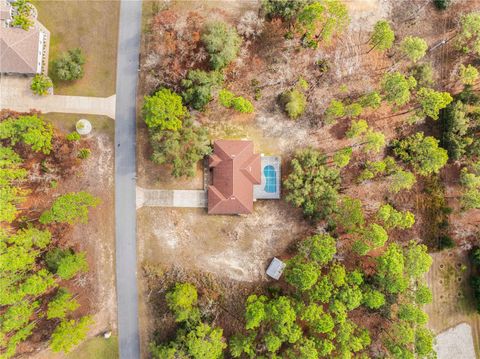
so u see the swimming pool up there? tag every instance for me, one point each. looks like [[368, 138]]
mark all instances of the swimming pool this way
[[270, 179]]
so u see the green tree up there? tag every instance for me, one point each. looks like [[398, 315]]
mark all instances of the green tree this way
[[373, 299], [401, 180], [205, 342], [255, 311], [72, 264], [69, 333], [164, 110], [41, 84], [390, 269], [312, 185], [468, 74], [423, 153], [38, 283], [69, 66], [181, 149], [294, 102], [222, 43], [320, 248], [317, 319], [391, 218], [396, 88], [335, 110], [29, 129], [182, 301], [414, 47], [22, 14], [321, 20], [454, 125], [373, 141], [412, 313], [322, 291], [285, 9], [357, 129], [198, 87], [61, 304], [423, 74], [350, 214], [302, 275], [382, 37], [468, 38], [70, 208], [371, 99], [417, 260], [423, 295], [431, 102], [17, 315], [342, 157], [372, 237], [424, 341]]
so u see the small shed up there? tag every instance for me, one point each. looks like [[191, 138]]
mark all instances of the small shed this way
[[275, 269]]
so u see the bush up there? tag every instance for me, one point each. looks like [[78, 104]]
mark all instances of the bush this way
[[84, 153], [198, 87], [70, 66], [285, 9], [222, 43], [445, 242], [73, 136], [238, 103], [441, 4], [294, 103], [41, 84]]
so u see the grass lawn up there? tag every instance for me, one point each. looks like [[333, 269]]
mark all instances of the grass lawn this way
[[97, 348], [92, 26], [66, 122]]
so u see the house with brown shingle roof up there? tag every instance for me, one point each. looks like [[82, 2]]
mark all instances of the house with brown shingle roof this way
[[235, 170], [22, 51]]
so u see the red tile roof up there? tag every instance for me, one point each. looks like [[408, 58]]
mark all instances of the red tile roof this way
[[235, 170]]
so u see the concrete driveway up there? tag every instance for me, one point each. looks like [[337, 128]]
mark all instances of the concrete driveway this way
[[171, 198], [15, 94]]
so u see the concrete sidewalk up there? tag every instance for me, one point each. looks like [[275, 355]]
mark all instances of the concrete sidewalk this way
[[171, 198], [15, 94]]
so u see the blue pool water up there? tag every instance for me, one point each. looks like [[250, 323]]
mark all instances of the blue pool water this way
[[270, 179]]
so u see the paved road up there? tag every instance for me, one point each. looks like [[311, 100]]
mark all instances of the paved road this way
[[16, 95], [125, 171]]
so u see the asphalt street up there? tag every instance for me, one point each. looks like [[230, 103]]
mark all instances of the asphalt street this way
[[125, 174]]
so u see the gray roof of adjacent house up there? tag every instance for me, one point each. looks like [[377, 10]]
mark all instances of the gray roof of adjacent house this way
[[275, 269], [22, 51]]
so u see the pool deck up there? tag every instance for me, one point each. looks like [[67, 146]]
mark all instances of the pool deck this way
[[259, 190]]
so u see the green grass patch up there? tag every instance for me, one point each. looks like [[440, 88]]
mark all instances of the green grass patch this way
[[98, 348]]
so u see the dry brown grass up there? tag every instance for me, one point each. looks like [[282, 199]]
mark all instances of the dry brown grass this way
[[91, 26]]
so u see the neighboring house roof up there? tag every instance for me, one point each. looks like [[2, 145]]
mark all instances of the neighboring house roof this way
[[235, 170], [21, 51]]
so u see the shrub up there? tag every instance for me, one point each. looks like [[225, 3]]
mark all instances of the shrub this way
[[294, 103], [70, 66], [41, 84], [84, 153], [442, 4], [285, 9], [238, 103], [73, 136], [445, 242], [164, 110], [222, 43]]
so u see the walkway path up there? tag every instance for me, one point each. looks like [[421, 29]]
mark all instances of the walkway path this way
[[15, 94], [171, 198], [125, 169]]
